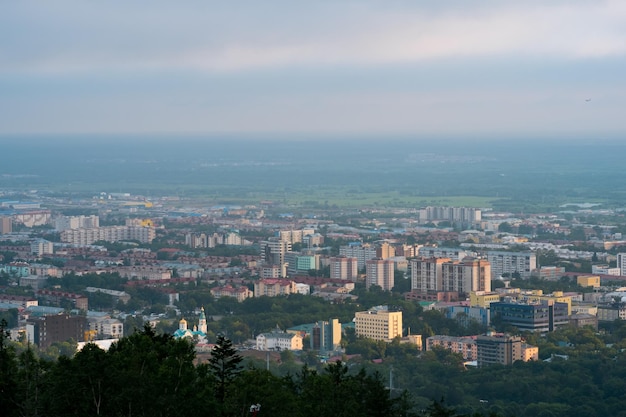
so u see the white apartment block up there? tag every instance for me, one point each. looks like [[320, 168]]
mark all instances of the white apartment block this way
[[344, 268], [511, 262], [441, 252], [41, 247], [379, 272], [112, 328], [76, 222], [294, 236], [279, 340], [108, 234], [605, 270], [362, 253], [452, 214], [379, 324]]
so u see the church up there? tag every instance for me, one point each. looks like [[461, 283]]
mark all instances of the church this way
[[198, 334]]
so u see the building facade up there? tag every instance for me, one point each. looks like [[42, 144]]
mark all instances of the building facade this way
[[379, 272], [522, 263], [344, 268], [542, 316], [379, 324], [274, 287], [46, 330], [498, 349]]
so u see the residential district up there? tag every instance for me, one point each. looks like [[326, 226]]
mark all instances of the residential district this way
[[484, 269]]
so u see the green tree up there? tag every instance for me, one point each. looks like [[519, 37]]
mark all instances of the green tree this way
[[8, 373], [224, 365]]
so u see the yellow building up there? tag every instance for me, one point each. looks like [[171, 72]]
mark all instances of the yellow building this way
[[588, 281], [530, 353], [379, 323], [483, 298]]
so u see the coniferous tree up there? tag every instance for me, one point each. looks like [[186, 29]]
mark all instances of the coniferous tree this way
[[224, 365]]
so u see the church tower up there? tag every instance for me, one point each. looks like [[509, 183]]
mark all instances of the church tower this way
[[202, 322], [182, 325]]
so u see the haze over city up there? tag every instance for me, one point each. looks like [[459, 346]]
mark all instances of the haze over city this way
[[471, 69]]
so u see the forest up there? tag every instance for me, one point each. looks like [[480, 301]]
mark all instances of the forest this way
[[151, 373]]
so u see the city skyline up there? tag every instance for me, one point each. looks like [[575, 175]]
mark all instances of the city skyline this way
[[509, 69]]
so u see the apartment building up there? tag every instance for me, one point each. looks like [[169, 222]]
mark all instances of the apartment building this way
[[274, 287], [498, 348], [6, 225], [344, 268], [362, 253], [108, 234], [522, 263], [468, 215], [379, 272], [239, 293], [46, 330], [279, 340], [446, 275], [465, 345], [379, 323], [76, 222], [621, 263]]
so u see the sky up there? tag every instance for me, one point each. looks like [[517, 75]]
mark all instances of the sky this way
[[458, 68]]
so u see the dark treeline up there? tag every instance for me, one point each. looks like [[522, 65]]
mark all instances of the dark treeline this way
[[148, 373]]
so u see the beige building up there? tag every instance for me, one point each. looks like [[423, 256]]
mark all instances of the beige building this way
[[279, 340], [465, 345], [498, 349], [379, 324], [444, 274], [6, 225], [274, 287], [379, 272], [239, 293], [344, 268]]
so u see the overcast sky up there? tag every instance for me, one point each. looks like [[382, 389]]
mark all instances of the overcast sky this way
[[459, 68]]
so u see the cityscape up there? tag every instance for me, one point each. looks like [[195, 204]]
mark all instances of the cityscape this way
[[312, 209], [474, 285]]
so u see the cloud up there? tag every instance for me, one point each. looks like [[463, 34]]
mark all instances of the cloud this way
[[76, 37]]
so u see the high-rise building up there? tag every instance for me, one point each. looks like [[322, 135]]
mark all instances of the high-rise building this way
[[361, 252], [426, 274], [522, 263], [379, 272], [621, 263], [470, 274], [378, 323], [76, 222], [273, 251], [6, 225], [344, 268], [326, 336]]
